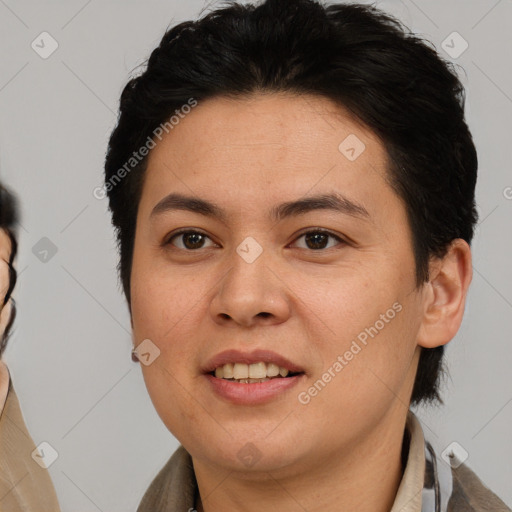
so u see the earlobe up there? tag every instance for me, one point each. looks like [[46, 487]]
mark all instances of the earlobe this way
[[445, 295]]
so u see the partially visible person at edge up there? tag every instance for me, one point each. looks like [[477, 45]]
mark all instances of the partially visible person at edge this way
[[25, 486], [293, 191]]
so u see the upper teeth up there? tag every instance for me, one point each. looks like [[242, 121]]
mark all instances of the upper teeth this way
[[252, 371]]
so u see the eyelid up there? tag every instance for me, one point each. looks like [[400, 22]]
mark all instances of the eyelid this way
[[339, 238], [182, 231]]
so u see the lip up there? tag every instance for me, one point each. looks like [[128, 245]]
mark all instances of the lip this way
[[255, 356], [255, 393]]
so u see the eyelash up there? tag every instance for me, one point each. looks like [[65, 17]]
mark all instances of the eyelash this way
[[312, 231]]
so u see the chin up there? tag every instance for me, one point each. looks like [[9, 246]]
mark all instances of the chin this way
[[249, 454]]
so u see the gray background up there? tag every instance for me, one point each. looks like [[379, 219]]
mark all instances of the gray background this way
[[69, 355]]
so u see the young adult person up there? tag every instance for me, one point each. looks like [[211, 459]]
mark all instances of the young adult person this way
[[292, 186]]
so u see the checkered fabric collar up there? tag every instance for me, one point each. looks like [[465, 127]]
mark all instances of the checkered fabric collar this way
[[438, 486]]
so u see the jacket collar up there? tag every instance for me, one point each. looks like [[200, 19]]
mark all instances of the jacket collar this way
[[426, 484]]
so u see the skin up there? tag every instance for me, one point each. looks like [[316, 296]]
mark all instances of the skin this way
[[308, 304], [5, 251]]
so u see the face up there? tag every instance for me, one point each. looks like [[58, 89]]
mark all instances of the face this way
[[323, 288]]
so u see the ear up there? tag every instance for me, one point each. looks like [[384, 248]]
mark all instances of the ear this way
[[444, 295]]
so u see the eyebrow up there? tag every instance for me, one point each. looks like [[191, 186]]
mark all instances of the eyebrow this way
[[333, 201]]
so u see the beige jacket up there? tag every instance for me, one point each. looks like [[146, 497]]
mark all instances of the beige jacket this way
[[24, 485], [428, 484]]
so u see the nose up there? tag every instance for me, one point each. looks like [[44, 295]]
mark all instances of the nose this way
[[250, 294]]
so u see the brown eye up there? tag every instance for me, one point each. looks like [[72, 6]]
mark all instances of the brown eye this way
[[190, 240], [319, 239]]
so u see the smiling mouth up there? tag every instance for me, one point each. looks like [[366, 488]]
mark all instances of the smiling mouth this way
[[251, 373]]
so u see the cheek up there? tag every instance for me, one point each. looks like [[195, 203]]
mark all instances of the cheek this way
[[377, 356], [371, 322], [171, 399], [342, 306], [159, 299], [166, 309], [163, 311], [167, 314]]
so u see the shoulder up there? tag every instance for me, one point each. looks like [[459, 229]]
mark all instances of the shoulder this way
[[451, 485], [174, 486], [24, 484], [469, 493], [4, 384]]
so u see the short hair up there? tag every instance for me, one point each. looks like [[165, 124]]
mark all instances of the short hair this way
[[8, 222], [355, 55]]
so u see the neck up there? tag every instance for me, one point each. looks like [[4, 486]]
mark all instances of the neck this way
[[363, 477]]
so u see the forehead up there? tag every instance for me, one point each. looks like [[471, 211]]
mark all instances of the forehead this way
[[282, 120], [268, 148]]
